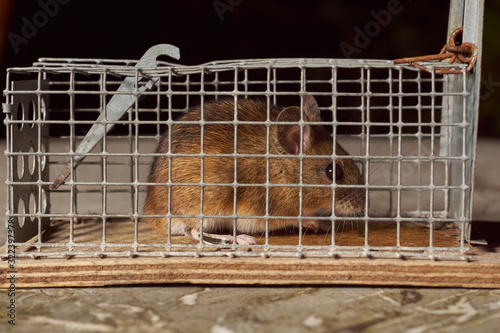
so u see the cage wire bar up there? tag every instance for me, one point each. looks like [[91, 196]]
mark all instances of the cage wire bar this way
[[422, 147]]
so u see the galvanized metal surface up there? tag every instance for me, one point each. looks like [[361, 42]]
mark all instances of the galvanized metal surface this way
[[28, 140], [472, 13], [439, 140], [397, 154]]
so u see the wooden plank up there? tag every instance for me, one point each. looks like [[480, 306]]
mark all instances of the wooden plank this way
[[483, 272], [248, 271]]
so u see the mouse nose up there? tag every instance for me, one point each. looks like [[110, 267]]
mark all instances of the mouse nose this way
[[322, 213], [361, 202], [361, 205]]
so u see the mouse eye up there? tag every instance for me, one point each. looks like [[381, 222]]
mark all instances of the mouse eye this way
[[339, 173]]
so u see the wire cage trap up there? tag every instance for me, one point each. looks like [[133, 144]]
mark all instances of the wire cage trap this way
[[81, 138]]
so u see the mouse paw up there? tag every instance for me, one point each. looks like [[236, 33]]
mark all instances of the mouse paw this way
[[221, 239], [245, 240], [229, 239], [311, 225]]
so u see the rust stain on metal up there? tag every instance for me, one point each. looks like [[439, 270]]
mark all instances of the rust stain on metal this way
[[455, 50], [62, 176]]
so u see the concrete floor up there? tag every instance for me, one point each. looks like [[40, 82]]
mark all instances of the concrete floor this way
[[223, 309]]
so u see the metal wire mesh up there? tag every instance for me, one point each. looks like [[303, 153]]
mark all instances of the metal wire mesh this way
[[394, 120]]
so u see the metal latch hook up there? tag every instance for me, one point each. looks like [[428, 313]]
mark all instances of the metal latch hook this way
[[117, 107]]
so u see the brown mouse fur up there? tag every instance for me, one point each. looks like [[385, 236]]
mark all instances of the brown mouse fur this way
[[284, 140]]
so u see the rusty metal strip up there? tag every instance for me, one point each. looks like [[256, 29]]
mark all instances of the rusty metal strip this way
[[457, 52]]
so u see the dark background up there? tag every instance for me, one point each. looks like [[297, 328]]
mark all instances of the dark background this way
[[231, 29]]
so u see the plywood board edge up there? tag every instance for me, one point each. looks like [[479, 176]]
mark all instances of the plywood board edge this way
[[248, 271]]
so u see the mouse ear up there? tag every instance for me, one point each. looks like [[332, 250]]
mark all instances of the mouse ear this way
[[289, 136], [311, 108]]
